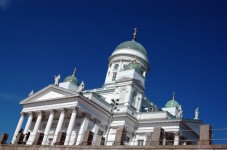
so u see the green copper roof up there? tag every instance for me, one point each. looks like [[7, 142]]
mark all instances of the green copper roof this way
[[134, 65], [72, 79], [172, 103], [133, 45]]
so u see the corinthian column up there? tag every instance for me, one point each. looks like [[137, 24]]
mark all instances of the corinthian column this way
[[83, 128], [19, 125], [176, 138], [35, 130], [48, 126], [28, 124], [96, 129], [60, 123], [70, 127]]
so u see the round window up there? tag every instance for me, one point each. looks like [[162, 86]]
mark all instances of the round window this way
[[116, 66]]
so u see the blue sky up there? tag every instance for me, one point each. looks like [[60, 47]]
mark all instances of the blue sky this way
[[185, 41]]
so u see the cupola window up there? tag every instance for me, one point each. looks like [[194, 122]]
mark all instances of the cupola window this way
[[114, 76]]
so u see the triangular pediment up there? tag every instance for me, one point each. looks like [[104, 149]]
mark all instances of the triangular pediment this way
[[48, 93]]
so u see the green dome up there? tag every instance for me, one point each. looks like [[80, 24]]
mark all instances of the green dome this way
[[133, 45], [72, 79], [172, 103], [134, 65]]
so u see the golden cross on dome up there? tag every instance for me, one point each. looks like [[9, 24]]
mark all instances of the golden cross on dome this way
[[134, 34], [74, 71]]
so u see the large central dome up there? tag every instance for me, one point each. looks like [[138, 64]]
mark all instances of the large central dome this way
[[132, 45], [128, 50]]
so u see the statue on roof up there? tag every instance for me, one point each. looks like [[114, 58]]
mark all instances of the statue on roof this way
[[56, 79], [81, 87], [197, 113], [180, 112], [31, 93]]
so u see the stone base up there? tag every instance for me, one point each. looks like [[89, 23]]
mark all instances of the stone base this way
[[38, 139], [60, 138], [99, 140], [157, 136], [87, 138], [3, 138], [148, 140], [205, 135], [19, 139], [120, 136]]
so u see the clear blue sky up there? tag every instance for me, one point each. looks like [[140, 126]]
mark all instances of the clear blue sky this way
[[185, 41]]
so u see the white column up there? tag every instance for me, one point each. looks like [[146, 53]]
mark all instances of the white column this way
[[19, 125], [48, 126], [28, 124], [176, 139], [96, 129], [133, 139], [83, 128], [164, 139], [70, 126], [60, 123], [35, 130]]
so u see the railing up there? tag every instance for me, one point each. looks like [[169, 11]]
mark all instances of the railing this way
[[182, 137]]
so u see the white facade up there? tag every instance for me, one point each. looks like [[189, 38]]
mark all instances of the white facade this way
[[67, 107]]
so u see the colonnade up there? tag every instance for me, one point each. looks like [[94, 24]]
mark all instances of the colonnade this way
[[40, 117]]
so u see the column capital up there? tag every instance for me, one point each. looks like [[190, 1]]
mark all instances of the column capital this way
[[63, 110], [52, 112], [22, 113], [177, 133], [122, 127], [97, 121], [31, 114], [75, 109], [148, 134], [40, 113], [87, 115]]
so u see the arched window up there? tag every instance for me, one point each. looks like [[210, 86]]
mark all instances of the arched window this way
[[114, 76], [122, 95]]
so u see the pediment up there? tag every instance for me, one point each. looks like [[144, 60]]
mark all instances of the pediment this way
[[48, 93]]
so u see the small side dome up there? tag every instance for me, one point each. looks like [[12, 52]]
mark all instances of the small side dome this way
[[135, 65], [172, 102], [72, 79], [132, 45]]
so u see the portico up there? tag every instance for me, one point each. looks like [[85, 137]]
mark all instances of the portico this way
[[73, 120]]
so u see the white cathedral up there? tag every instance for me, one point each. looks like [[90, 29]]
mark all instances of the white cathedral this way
[[121, 102]]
